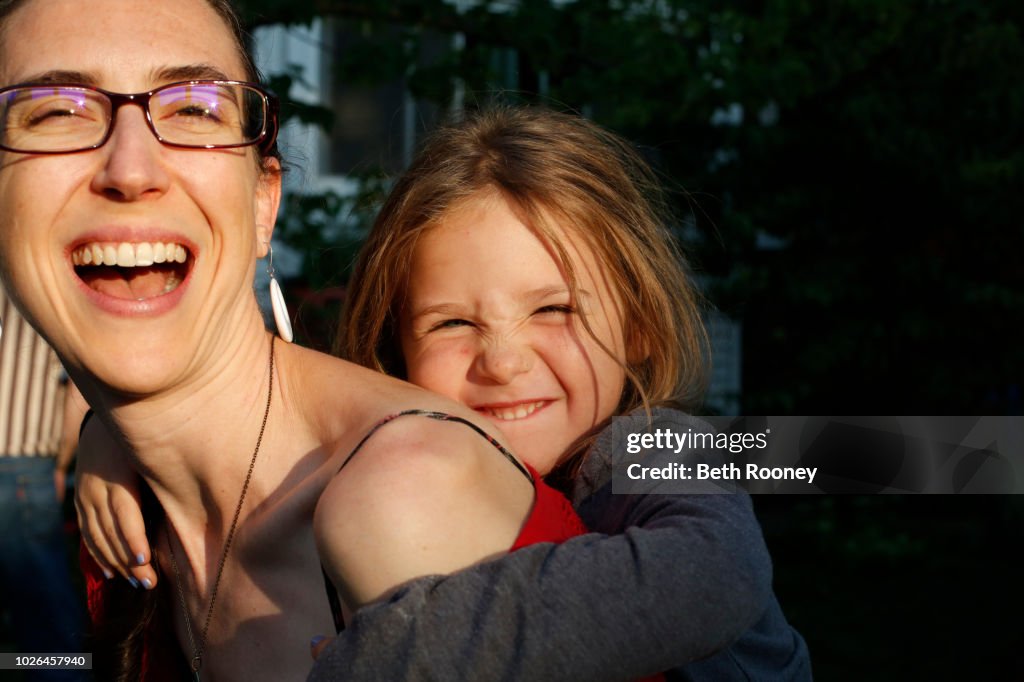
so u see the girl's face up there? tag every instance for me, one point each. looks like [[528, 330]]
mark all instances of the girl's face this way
[[135, 328], [490, 323]]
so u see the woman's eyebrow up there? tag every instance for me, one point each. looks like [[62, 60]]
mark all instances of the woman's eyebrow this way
[[168, 74], [63, 76], [191, 72]]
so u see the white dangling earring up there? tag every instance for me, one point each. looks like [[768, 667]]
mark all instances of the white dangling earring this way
[[277, 304]]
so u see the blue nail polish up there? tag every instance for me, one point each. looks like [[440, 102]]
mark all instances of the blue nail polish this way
[[107, 574], [147, 583], [316, 640], [134, 583], [140, 558]]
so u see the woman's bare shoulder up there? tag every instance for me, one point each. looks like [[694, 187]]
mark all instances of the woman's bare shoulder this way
[[346, 404], [330, 386]]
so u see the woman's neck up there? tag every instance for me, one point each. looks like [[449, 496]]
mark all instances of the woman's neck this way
[[193, 442]]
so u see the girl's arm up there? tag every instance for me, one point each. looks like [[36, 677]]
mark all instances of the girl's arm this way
[[681, 586], [420, 497], [672, 579], [107, 503], [74, 410]]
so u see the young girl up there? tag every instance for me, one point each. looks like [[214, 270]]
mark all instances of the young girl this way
[[521, 267]]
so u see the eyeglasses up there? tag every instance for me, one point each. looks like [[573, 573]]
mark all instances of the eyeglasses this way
[[57, 118]]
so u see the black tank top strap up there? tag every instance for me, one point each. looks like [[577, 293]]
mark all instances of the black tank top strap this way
[[440, 416], [332, 594]]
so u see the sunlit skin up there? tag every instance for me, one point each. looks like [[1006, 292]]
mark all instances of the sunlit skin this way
[[132, 189], [181, 377], [490, 322]]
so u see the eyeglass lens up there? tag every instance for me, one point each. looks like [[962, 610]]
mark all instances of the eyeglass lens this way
[[66, 118]]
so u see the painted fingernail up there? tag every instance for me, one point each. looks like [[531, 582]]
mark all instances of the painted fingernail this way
[[147, 583], [134, 583], [107, 574], [140, 558], [316, 640]]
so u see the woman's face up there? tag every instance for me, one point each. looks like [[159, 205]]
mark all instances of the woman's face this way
[[490, 323], [134, 328]]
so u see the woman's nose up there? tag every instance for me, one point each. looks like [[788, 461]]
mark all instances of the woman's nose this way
[[132, 167], [502, 360]]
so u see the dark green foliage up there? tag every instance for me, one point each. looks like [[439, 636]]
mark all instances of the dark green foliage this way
[[879, 144], [898, 587]]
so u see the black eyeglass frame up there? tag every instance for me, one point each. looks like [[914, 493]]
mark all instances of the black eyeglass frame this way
[[264, 142]]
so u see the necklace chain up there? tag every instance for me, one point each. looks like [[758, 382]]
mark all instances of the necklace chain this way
[[197, 648]]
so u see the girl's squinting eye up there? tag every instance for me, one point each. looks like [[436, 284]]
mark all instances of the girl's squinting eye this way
[[450, 324], [561, 309]]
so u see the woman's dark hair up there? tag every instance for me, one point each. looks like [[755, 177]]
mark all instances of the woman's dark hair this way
[[134, 631]]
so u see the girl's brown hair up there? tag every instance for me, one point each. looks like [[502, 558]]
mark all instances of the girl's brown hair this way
[[551, 168]]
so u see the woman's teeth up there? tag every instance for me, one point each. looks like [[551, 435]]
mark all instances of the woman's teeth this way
[[125, 255], [133, 271], [507, 414]]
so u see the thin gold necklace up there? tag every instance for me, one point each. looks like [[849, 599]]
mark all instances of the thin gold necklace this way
[[198, 647]]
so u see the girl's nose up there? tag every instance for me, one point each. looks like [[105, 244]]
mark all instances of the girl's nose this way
[[503, 361]]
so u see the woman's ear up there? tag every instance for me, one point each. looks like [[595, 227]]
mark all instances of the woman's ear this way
[[267, 201]]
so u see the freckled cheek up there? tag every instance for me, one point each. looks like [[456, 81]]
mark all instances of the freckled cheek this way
[[441, 369], [595, 379], [25, 223], [18, 201], [570, 347]]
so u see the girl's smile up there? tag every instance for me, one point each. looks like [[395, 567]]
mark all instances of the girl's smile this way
[[513, 411]]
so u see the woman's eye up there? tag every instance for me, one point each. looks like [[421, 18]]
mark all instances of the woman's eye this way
[[55, 113], [196, 110]]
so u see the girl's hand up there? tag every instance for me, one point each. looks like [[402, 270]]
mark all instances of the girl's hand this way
[[318, 644], [109, 510]]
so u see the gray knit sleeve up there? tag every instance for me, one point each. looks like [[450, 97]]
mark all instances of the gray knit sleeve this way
[[668, 579]]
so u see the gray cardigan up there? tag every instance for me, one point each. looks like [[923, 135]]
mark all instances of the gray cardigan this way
[[667, 582]]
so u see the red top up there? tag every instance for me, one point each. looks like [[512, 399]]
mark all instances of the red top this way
[[552, 518], [161, 658]]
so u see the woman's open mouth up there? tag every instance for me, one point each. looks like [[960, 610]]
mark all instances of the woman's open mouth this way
[[133, 271]]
